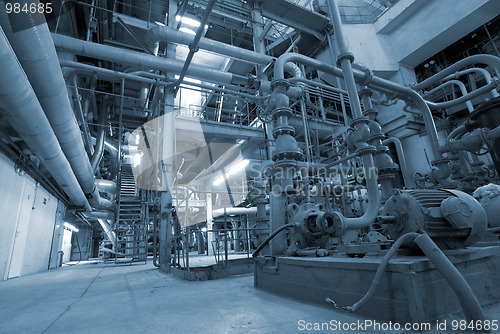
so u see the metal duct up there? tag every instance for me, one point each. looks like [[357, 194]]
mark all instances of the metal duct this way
[[37, 55], [21, 107]]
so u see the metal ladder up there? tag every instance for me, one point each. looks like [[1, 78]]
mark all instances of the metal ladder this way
[[130, 226]]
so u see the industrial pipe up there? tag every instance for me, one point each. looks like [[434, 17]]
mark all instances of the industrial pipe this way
[[24, 112], [460, 85], [144, 61], [193, 46], [166, 34], [36, 53], [408, 180], [106, 186], [489, 60], [482, 71], [101, 135]]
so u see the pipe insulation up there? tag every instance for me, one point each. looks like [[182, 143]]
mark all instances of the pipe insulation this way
[[19, 103], [37, 55]]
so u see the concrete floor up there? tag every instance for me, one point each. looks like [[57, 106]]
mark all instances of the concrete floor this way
[[104, 298]]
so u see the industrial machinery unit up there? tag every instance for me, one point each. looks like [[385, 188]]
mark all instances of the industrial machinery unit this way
[[223, 137]]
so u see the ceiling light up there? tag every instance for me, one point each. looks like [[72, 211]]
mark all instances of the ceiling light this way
[[188, 21], [187, 30]]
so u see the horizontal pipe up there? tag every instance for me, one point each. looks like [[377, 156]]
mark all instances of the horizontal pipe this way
[[166, 34], [482, 71], [460, 85], [489, 60], [477, 92], [143, 61], [23, 111]]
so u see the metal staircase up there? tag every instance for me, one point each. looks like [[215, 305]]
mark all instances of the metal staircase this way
[[130, 225]]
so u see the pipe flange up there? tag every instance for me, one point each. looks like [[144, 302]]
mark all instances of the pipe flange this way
[[365, 91], [367, 78], [282, 111], [371, 113], [288, 155], [366, 150], [345, 55], [359, 120], [284, 130], [280, 82]]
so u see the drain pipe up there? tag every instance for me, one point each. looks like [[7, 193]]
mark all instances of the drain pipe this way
[[193, 47], [24, 112], [37, 55]]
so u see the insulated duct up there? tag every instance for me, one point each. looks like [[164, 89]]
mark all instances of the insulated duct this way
[[37, 55], [21, 107]]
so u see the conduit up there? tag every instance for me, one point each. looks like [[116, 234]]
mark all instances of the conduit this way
[[21, 107]]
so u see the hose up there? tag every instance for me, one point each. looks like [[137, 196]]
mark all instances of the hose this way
[[470, 305], [269, 238], [376, 280]]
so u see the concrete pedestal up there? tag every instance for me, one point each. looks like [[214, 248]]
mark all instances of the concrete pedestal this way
[[411, 289]]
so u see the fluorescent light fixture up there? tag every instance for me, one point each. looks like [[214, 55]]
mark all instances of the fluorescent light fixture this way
[[71, 227], [188, 79], [235, 169], [159, 23], [189, 21], [137, 139], [204, 229], [187, 30]]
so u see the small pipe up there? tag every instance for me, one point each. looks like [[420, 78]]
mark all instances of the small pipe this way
[[460, 85], [101, 135], [490, 60], [482, 71], [478, 92], [270, 237], [408, 180]]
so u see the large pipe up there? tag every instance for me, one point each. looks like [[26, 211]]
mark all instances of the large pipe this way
[[37, 55], [145, 61], [193, 46], [166, 34], [22, 109]]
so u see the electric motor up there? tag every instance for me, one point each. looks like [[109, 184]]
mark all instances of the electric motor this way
[[452, 218]]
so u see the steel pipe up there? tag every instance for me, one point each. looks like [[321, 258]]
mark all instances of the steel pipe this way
[[460, 85], [482, 71], [36, 53], [408, 180], [489, 60]]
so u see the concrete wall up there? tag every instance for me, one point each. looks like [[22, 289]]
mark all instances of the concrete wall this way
[[27, 225], [414, 30]]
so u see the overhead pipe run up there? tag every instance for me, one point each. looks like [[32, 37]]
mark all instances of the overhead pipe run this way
[[145, 61], [36, 53], [457, 83], [24, 112]]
